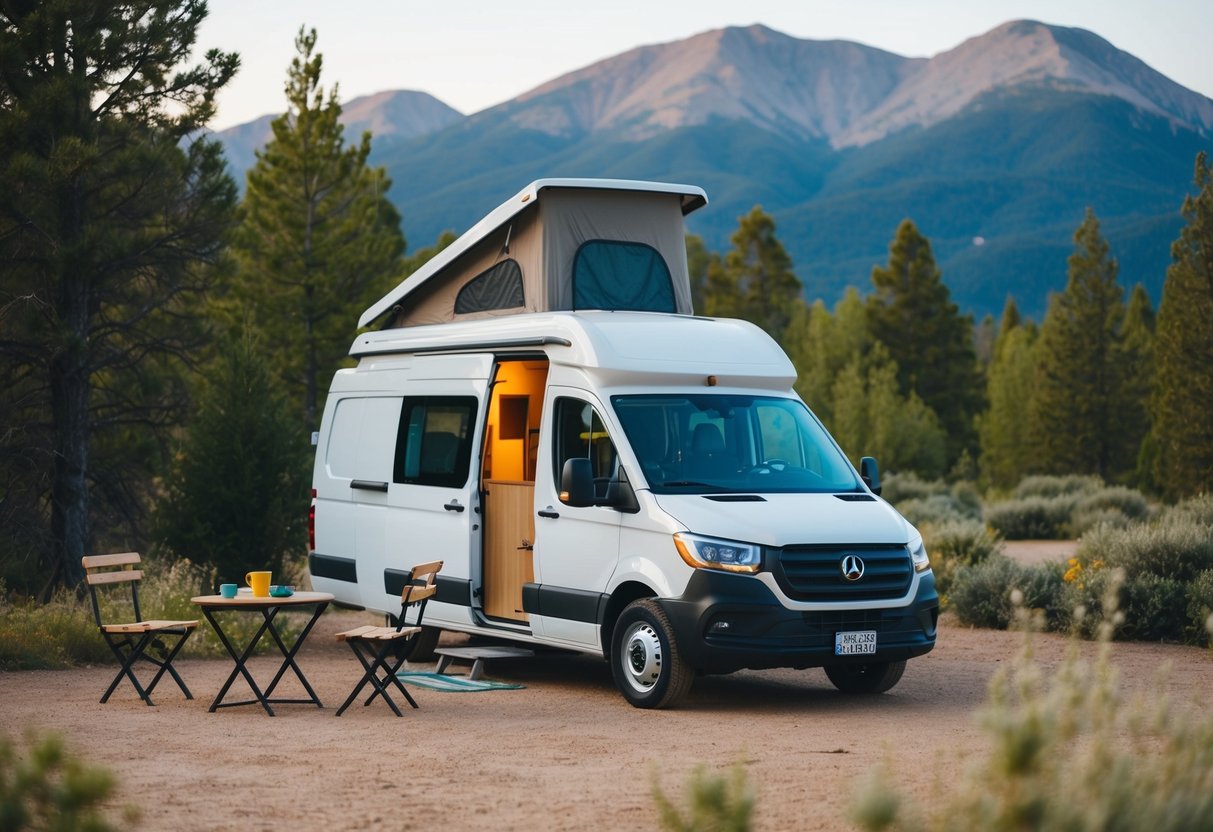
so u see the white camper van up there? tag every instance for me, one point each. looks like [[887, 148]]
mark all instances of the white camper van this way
[[600, 469]]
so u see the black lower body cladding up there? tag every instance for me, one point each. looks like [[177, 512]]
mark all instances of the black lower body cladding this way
[[726, 622]]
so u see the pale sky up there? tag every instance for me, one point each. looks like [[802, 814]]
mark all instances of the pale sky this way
[[473, 54]]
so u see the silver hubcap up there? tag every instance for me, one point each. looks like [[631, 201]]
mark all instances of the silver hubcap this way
[[641, 658]]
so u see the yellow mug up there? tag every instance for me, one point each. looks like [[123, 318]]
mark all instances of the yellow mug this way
[[260, 582]]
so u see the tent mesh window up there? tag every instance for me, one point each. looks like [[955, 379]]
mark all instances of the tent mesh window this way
[[498, 287], [611, 274]]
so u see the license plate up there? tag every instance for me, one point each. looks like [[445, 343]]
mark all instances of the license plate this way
[[856, 643]]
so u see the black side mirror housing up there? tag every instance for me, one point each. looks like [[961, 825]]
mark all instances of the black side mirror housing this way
[[869, 472], [577, 482]]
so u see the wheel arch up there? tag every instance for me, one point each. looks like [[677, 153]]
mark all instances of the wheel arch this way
[[624, 594]]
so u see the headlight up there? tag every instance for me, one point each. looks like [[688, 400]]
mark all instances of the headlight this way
[[918, 554], [706, 553]]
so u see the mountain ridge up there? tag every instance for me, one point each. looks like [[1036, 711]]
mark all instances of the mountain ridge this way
[[1006, 138]]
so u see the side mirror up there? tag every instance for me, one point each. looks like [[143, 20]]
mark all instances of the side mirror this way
[[577, 483], [869, 472], [620, 494]]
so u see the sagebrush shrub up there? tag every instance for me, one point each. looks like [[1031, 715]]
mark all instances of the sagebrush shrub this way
[[1067, 752], [898, 487], [1176, 547], [1200, 609], [1043, 485], [714, 803], [957, 543], [982, 594], [49, 788], [1032, 518]]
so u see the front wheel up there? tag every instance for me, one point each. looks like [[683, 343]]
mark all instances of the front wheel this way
[[876, 677], [645, 662]]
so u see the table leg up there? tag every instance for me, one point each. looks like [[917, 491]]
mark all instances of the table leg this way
[[240, 669], [289, 661]]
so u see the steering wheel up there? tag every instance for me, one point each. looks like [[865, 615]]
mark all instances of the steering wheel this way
[[768, 466]]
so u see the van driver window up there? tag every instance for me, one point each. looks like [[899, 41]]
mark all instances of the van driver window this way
[[434, 443], [580, 432]]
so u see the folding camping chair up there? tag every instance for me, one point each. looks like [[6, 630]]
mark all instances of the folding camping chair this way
[[375, 646], [132, 642]]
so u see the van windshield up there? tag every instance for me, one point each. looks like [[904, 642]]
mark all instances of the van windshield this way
[[717, 443]]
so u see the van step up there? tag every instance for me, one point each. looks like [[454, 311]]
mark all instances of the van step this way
[[477, 655]]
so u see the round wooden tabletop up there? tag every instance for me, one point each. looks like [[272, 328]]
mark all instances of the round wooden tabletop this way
[[247, 599]]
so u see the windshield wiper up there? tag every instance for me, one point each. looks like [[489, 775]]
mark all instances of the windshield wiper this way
[[690, 484]]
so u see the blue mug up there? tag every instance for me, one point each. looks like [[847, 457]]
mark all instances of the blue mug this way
[[227, 590]]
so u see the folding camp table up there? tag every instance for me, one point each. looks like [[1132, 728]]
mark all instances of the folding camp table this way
[[269, 609]]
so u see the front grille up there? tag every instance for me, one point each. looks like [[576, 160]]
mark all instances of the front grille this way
[[814, 573]]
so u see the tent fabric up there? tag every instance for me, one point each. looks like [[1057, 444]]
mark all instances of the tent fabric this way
[[543, 240], [610, 274], [574, 216]]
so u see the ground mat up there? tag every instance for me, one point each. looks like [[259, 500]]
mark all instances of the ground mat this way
[[452, 684]]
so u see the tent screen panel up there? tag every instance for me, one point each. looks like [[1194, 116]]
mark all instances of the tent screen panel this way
[[498, 287], [611, 274]]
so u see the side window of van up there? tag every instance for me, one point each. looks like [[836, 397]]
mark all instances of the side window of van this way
[[434, 442], [580, 432]]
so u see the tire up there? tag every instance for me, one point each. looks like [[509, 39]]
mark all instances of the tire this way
[[648, 670], [877, 677]]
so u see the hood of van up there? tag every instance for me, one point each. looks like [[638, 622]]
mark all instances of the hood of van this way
[[787, 519]]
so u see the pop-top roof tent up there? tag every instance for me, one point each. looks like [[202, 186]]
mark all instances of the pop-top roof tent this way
[[558, 244]]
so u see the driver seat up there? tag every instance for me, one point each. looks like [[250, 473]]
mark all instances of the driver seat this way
[[708, 457]]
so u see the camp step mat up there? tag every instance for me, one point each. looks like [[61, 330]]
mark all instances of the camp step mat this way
[[452, 684]]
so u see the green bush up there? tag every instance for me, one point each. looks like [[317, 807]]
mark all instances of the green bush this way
[[1116, 506], [63, 632], [1200, 609], [1054, 486], [931, 501], [1066, 752], [982, 594], [1197, 510], [1032, 518], [899, 487], [1177, 547], [49, 789], [1060, 508], [50, 636], [716, 804], [954, 544]]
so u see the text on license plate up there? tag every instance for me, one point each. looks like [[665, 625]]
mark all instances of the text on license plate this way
[[855, 643]]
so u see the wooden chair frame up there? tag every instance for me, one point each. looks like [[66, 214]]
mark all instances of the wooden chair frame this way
[[132, 642], [384, 649]]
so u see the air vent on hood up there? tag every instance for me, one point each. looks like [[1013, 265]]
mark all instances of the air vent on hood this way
[[734, 498], [856, 498]]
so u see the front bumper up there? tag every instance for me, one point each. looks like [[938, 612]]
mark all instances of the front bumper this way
[[726, 622]]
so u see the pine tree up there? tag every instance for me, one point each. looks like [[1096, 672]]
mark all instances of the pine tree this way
[[112, 202], [1182, 405], [1076, 415], [698, 259], [821, 345], [237, 492], [872, 418], [319, 240], [912, 314], [1137, 351], [1003, 428], [755, 280]]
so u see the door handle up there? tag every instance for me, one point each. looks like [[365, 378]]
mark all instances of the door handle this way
[[548, 513], [454, 506], [369, 485]]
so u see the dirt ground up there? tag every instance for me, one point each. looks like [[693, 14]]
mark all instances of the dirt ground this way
[[564, 752]]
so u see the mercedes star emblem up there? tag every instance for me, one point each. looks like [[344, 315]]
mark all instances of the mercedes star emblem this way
[[852, 567]]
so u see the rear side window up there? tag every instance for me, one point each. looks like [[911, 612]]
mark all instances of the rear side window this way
[[434, 443]]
